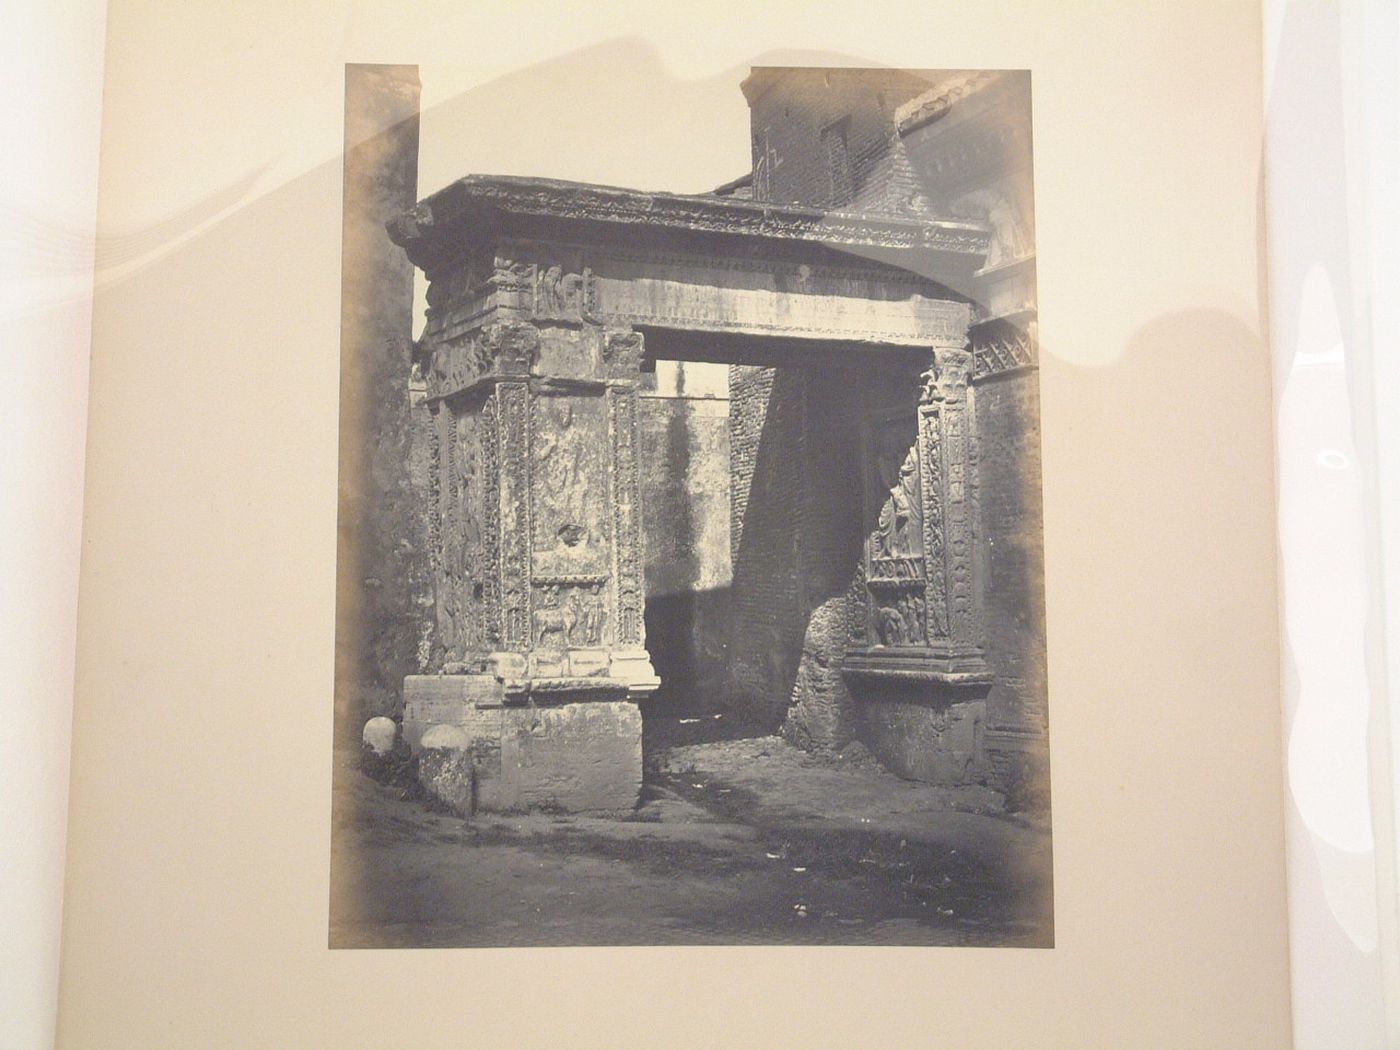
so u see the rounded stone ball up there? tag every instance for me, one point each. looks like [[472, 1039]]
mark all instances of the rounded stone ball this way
[[379, 735]]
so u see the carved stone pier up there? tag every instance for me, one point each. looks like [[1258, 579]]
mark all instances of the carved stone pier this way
[[536, 537]]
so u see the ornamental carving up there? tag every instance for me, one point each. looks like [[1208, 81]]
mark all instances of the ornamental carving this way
[[513, 428], [513, 348], [931, 465], [1003, 345], [948, 378], [569, 617], [627, 540], [490, 575], [622, 354]]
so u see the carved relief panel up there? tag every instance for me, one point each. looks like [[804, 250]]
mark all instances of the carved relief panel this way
[[569, 485], [457, 529], [895, 573], [915, 602]]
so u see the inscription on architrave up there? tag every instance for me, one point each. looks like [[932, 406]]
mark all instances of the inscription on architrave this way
[[760, 298]]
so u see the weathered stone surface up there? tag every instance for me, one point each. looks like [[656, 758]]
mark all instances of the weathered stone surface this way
[[935, 743], [578, 757], [379, 735], [583, 758], [445, 767], [822, 715], [432, 700], [683, 456]]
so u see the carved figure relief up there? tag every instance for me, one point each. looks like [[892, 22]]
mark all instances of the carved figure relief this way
[[510, 348], [899, 525], [560, 294], [554, 622], [569, 485], [588, 616], [622, 354], [568, 613], [557, 458], [902, 621], [459, 533]]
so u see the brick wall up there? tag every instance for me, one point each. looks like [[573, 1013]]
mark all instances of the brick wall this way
[[826, 138], [796, 536], [765, 443], [1011, 571], [831, 530]]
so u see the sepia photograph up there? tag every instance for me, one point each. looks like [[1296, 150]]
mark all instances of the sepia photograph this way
[[690, 573], [653, 525]]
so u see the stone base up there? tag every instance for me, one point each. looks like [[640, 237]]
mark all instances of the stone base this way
[[935, 743], [582, 757]]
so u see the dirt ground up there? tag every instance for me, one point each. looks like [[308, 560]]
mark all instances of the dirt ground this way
[[739, 839]]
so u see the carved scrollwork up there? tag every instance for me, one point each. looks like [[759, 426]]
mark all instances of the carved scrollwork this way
[[627, 540], [514, 435], [490, 580]]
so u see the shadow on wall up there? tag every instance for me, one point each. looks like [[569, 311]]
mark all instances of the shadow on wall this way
[[796, 529], [769, 617]]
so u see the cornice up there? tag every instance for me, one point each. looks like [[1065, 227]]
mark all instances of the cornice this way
[[478, 206]]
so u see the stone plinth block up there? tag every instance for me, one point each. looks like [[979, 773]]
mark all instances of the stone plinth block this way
[[578, 757], [938, 744], [452, 699]]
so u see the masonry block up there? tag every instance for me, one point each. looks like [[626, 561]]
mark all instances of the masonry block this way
[[578, 757]]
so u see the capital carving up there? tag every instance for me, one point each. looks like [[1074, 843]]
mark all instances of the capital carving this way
[[622, 354], [513, 347], [947, 379]]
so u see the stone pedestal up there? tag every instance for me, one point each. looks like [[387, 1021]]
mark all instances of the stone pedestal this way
[[581, 755]]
